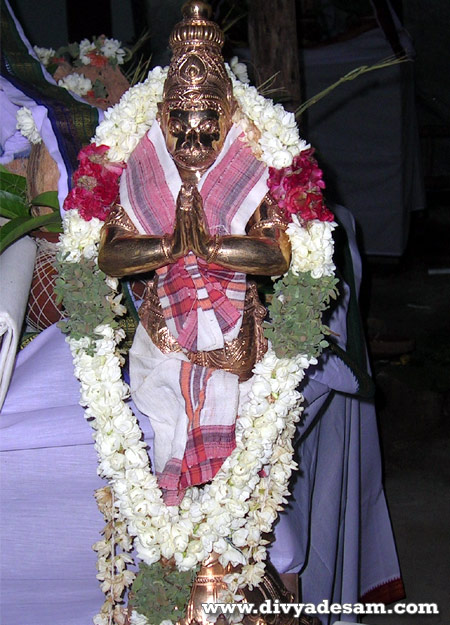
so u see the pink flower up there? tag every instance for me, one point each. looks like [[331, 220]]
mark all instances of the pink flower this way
[[88, 203], [298, 188], [96, 183], [92, 152], [307, 204]]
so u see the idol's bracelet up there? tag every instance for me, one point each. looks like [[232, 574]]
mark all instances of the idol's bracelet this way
[[214, 246], [166, 248]]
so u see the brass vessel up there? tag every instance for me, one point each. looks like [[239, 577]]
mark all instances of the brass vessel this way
[[209, 583]]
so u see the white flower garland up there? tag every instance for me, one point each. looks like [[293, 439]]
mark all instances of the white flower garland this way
[[125, 124], [229, 514], [279, 139], [312, 247], [27, 126], [239, 70]]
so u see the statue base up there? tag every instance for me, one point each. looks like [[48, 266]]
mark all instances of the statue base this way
[[209, 583]]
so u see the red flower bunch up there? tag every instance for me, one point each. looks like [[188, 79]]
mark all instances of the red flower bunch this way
[[298, 188], [96, 183], [97, 59]]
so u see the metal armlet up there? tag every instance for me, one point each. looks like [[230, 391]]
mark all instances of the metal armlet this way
[[267, 224], [166, 248], [214, 248]]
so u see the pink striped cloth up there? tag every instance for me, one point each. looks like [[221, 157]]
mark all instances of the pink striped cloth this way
[[192, 410], [202, 304], [207, 444]]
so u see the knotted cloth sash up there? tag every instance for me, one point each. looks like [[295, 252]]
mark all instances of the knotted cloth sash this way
[[202, 304]]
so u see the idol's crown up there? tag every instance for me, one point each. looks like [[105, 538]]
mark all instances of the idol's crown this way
[[196, 27]]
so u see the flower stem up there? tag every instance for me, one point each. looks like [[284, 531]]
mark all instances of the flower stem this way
[[351, 75]]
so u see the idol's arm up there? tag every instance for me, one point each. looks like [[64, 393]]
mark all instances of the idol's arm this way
[[260, 255], [123, 251], [122, 254], [265, 250]]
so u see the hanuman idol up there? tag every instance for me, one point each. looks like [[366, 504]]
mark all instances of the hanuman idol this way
[[194, 209]]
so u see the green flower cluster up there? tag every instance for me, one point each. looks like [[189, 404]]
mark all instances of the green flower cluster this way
[[161, 592], [82, 289], [296, 314]]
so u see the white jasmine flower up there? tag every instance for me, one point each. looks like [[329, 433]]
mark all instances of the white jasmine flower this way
[[253, 574], [312, 247], [80, 237], [25, 125], [149, 555], [140, 619], [117, 308], [239, 70], [267, 364], [112, 50], [228, 554], [261, 388], [240, 537], [44, 54], [113, 283], [77, 83], [86, 47]]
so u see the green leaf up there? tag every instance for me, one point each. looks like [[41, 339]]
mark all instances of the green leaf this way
[[12, 205], [12, 182], [160, 593], [99, 89], [61, 51], [74, 50], [296, 316], [13, 230], [52, 67], [57, 227], [137, 584], [48, 198]]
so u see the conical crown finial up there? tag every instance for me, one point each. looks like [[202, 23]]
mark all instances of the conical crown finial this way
[[196, 9], [196, 28]]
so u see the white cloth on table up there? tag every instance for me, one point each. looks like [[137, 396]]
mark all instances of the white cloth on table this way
[[16, 273], [49, 519]]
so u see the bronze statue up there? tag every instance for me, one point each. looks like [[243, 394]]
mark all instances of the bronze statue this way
[[195, 119]]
